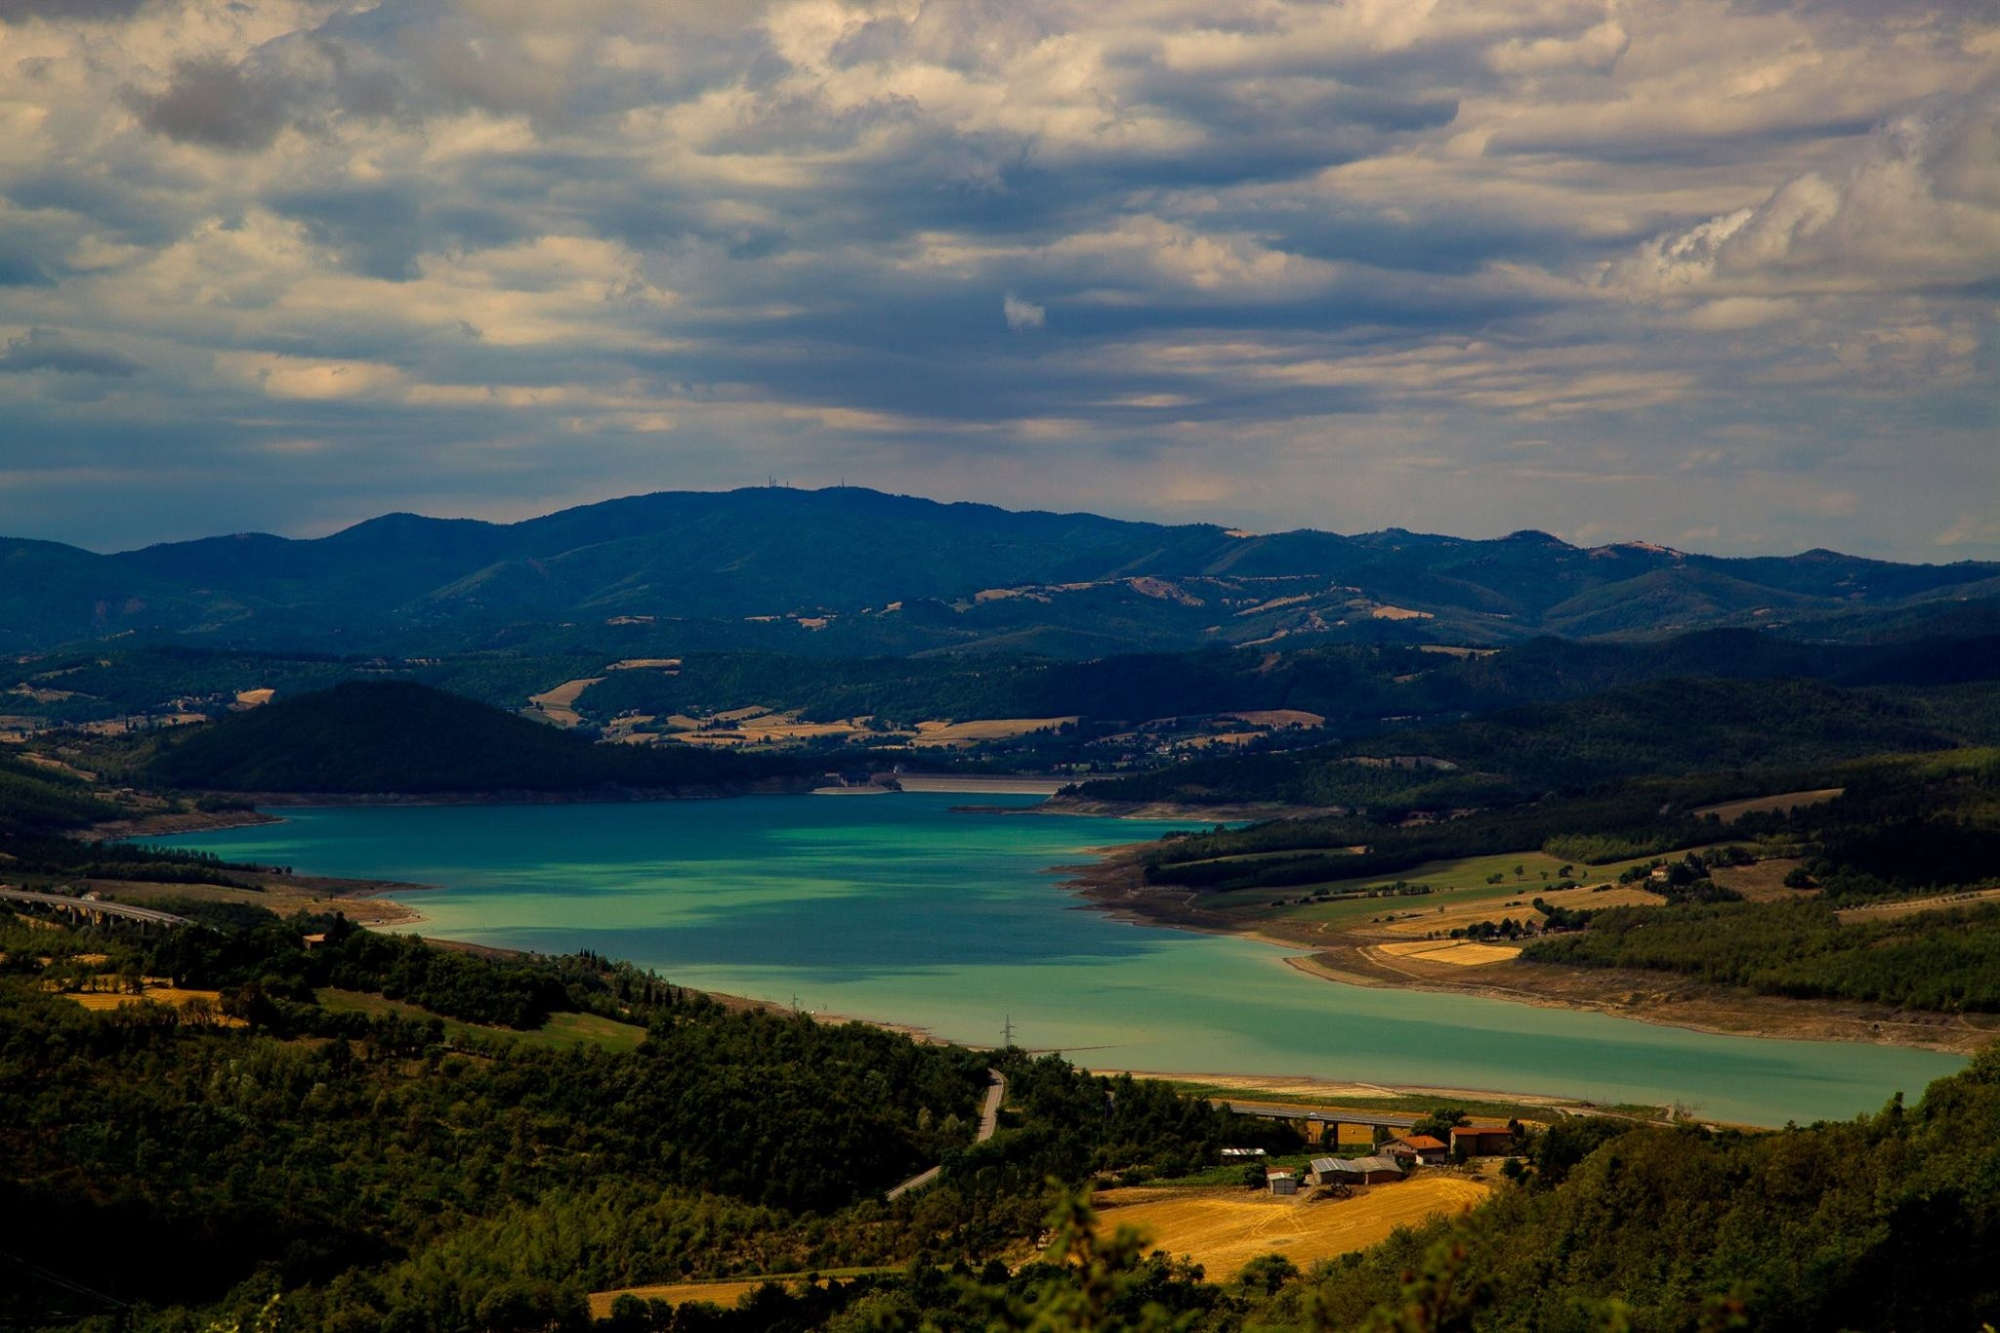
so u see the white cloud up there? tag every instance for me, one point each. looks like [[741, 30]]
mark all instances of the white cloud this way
[[1917, 204], [1022, 314]]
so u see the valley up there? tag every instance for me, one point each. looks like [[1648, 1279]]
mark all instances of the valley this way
[[514, 843]]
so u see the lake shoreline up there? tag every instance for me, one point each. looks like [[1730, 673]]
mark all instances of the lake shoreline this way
[[1549, 1062], [1114, 885]]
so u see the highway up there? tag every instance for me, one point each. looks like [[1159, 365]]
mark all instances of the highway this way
[[94, 909], [989, 1120]]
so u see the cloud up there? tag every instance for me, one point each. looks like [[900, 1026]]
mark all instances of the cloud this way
[[45, 349], [22, 11], [215, 101], [1470, 264], [1918, 203], [1022, 314]]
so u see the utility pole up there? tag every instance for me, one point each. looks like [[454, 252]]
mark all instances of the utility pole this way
[[1007, 1032]]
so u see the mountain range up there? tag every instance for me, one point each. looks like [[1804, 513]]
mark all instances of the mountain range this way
[[847, 570]]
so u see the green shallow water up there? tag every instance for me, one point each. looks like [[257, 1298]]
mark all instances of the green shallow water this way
[[896, 908]]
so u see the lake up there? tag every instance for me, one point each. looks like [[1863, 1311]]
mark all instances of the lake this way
[[897, 908]]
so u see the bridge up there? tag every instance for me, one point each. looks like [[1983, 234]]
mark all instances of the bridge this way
[[1315, 1124], [94, 910]]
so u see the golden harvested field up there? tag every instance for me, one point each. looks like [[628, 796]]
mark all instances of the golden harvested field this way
[[986, 729], [100, 1001], [1224, 1229], [756, 726], [559, 704], [1278, 717], [646, 664], [1730, 811], [1459, 953], [724, 1292]]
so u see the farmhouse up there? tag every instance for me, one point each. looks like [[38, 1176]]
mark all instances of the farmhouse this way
[[1417, 1148], [1481, 1140], [1355, 1170]]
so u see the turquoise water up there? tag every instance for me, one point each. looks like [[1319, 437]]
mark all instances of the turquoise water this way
[[896, 908]]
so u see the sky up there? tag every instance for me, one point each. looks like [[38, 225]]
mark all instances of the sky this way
[[1718, 275]]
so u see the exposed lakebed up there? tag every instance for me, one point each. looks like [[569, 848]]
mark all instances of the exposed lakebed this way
[[900, 909]]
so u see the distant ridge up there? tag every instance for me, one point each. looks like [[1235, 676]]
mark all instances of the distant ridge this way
[[887, 573]]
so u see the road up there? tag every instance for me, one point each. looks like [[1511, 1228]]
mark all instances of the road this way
[[989, 1120], [91, 907]]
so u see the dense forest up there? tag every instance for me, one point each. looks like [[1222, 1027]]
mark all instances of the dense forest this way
[[397, 736]]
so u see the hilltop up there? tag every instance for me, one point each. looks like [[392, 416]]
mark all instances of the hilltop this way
[[848, 571]]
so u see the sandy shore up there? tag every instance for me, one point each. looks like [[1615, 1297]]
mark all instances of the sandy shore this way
[[977, 785], [1305, 1088]]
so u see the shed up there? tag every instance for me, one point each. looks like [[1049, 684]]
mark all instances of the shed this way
[[1355, 1170], [1281, 1181], [1482, 1140]]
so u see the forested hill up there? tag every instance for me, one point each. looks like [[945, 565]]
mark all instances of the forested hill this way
[[343, 1158], [397, 736], [856, 571], [1659, 727]]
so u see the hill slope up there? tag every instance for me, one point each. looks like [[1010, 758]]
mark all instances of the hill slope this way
[[398, 736]]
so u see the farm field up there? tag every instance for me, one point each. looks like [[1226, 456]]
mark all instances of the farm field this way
[[986, 729], [1224, 1229], [559, 704], [1460, 894], [1762, 882], [1731, 811], [1459, 953], [725, 1292], [173, 996], [561, 1030]]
